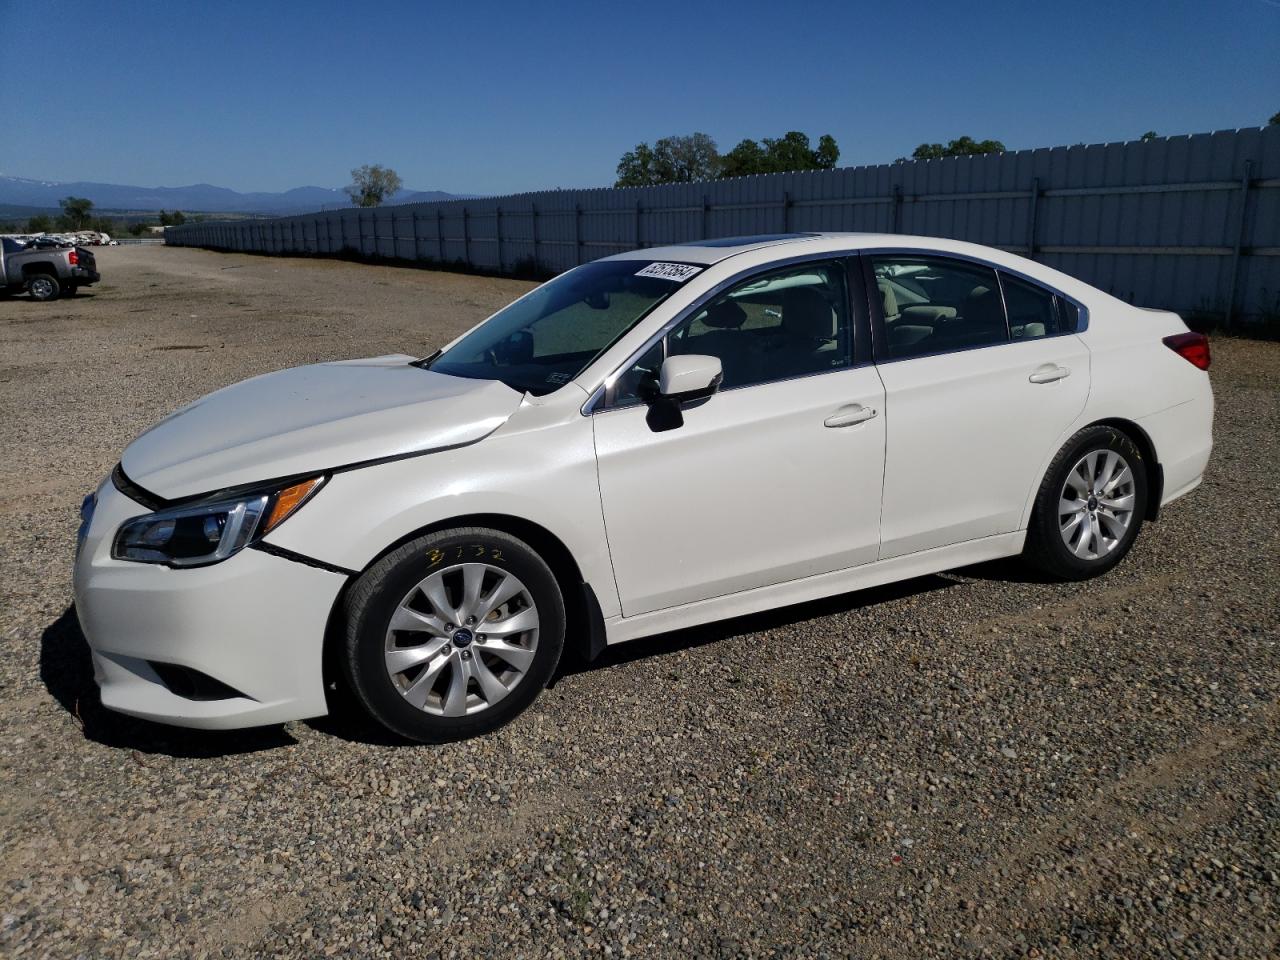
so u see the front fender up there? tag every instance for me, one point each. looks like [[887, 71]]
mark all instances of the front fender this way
[[544, 476]]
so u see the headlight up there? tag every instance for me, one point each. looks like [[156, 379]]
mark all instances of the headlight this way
[[210, 530]]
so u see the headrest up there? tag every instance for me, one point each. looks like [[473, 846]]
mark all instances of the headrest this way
[[807, 315], [725, 315], [983, 306], [888, 299]]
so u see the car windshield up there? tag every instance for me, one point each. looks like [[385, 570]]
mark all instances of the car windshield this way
[[544, 340]]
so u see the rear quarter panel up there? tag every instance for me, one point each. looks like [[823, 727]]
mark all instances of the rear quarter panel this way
[[1134, 376]]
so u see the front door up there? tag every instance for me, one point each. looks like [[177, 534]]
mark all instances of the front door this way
[[775, 478]]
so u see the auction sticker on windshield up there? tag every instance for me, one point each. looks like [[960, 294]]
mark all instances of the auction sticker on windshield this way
[[679, 272]]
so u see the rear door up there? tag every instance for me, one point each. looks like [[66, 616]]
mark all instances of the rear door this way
[[983, 373]]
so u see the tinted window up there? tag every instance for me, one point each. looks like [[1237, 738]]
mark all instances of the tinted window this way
[[788, 323], [1068, 316], [934, 305], [1032, 311]]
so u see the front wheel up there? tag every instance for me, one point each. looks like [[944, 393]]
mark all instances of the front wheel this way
[[44, 287], [1090, 505], [453, 634]]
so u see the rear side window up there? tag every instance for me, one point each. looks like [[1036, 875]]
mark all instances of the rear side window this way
[[1033, 311], [1068, 316], [938, 305]]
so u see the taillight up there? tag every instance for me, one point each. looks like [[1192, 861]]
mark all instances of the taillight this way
[[1191, 347], [73, 258]]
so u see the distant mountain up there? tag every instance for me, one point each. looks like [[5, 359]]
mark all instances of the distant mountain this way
[[198, 198]]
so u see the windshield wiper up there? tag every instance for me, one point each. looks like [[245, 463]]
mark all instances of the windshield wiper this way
[[425, 362]]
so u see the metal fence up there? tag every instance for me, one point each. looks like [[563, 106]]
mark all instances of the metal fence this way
[[1187, 223]]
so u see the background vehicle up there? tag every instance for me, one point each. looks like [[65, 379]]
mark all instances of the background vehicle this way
[[45, 269], [755, 422]]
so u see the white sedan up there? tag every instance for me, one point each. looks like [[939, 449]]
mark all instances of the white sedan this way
[[650, 441]]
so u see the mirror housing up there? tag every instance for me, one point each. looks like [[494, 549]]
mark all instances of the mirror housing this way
[[689, 377]]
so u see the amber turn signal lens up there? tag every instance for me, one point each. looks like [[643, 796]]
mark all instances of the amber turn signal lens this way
[[288, 500]]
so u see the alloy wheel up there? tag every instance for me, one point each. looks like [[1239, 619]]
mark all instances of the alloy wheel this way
[[462, 639], [1095, 505]]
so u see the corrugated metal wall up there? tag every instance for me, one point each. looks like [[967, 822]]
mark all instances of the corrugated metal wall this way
[[1188, 223]]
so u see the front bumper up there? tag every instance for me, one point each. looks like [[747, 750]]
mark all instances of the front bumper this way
[[254, 624]]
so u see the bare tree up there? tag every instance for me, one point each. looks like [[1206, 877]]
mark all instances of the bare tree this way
[[372, 184]]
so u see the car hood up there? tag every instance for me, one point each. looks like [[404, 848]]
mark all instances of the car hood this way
[[311, 419]]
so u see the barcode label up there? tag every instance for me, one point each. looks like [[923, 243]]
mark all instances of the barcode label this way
[[679, 272]]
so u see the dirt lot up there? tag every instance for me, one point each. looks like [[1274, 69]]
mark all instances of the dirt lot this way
[[971, 764]]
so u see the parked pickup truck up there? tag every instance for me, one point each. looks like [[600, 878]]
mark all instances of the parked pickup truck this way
[[45, 271]]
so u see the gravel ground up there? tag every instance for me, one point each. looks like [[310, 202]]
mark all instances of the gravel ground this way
[[972, 764]]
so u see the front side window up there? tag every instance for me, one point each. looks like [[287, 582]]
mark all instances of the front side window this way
[[936, 305], [540, 343], [774, 326]]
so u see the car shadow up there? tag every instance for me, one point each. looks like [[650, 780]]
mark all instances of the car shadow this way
[[1006, 570], [66, 669], [659, 645]]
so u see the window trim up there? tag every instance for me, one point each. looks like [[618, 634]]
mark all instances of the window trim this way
[[859, 324], [876, 309]]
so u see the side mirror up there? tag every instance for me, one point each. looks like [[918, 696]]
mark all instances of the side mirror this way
[[689, 377], [682, 380]]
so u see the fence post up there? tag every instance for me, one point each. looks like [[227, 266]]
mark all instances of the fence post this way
[[706, 216], [498, 222], [415, 235], [466, 235], [533, 208], [897, 208], [1031, 217], [1235, 256], [786, 212], [638, 212], [577, 232]]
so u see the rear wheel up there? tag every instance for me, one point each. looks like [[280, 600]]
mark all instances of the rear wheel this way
[[1090, 505], [453, 634], [44, 286]]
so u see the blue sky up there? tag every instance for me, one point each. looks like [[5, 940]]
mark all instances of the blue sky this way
[[494, 98]]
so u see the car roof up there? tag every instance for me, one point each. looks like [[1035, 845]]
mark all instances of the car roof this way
[[707, 252]]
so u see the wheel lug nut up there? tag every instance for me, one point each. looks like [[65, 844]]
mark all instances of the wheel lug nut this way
[[466, 654], [480, 636], [470, 620]]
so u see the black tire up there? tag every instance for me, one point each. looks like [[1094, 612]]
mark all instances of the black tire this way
[[44, 287], [1046, 549], [378, 593]]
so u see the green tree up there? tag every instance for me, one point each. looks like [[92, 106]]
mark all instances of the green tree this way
[[1274, 121], [371, 185], [746, 158], [960, 147], [75, 210], [787, 153], [40, 224], [681, 159], [1149, 135]]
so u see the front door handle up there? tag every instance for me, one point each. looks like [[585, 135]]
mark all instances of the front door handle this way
[[1049, 373], [849, 416]]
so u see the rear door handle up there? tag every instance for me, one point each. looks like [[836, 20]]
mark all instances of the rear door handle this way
[[849, 416], [1049, 373]]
